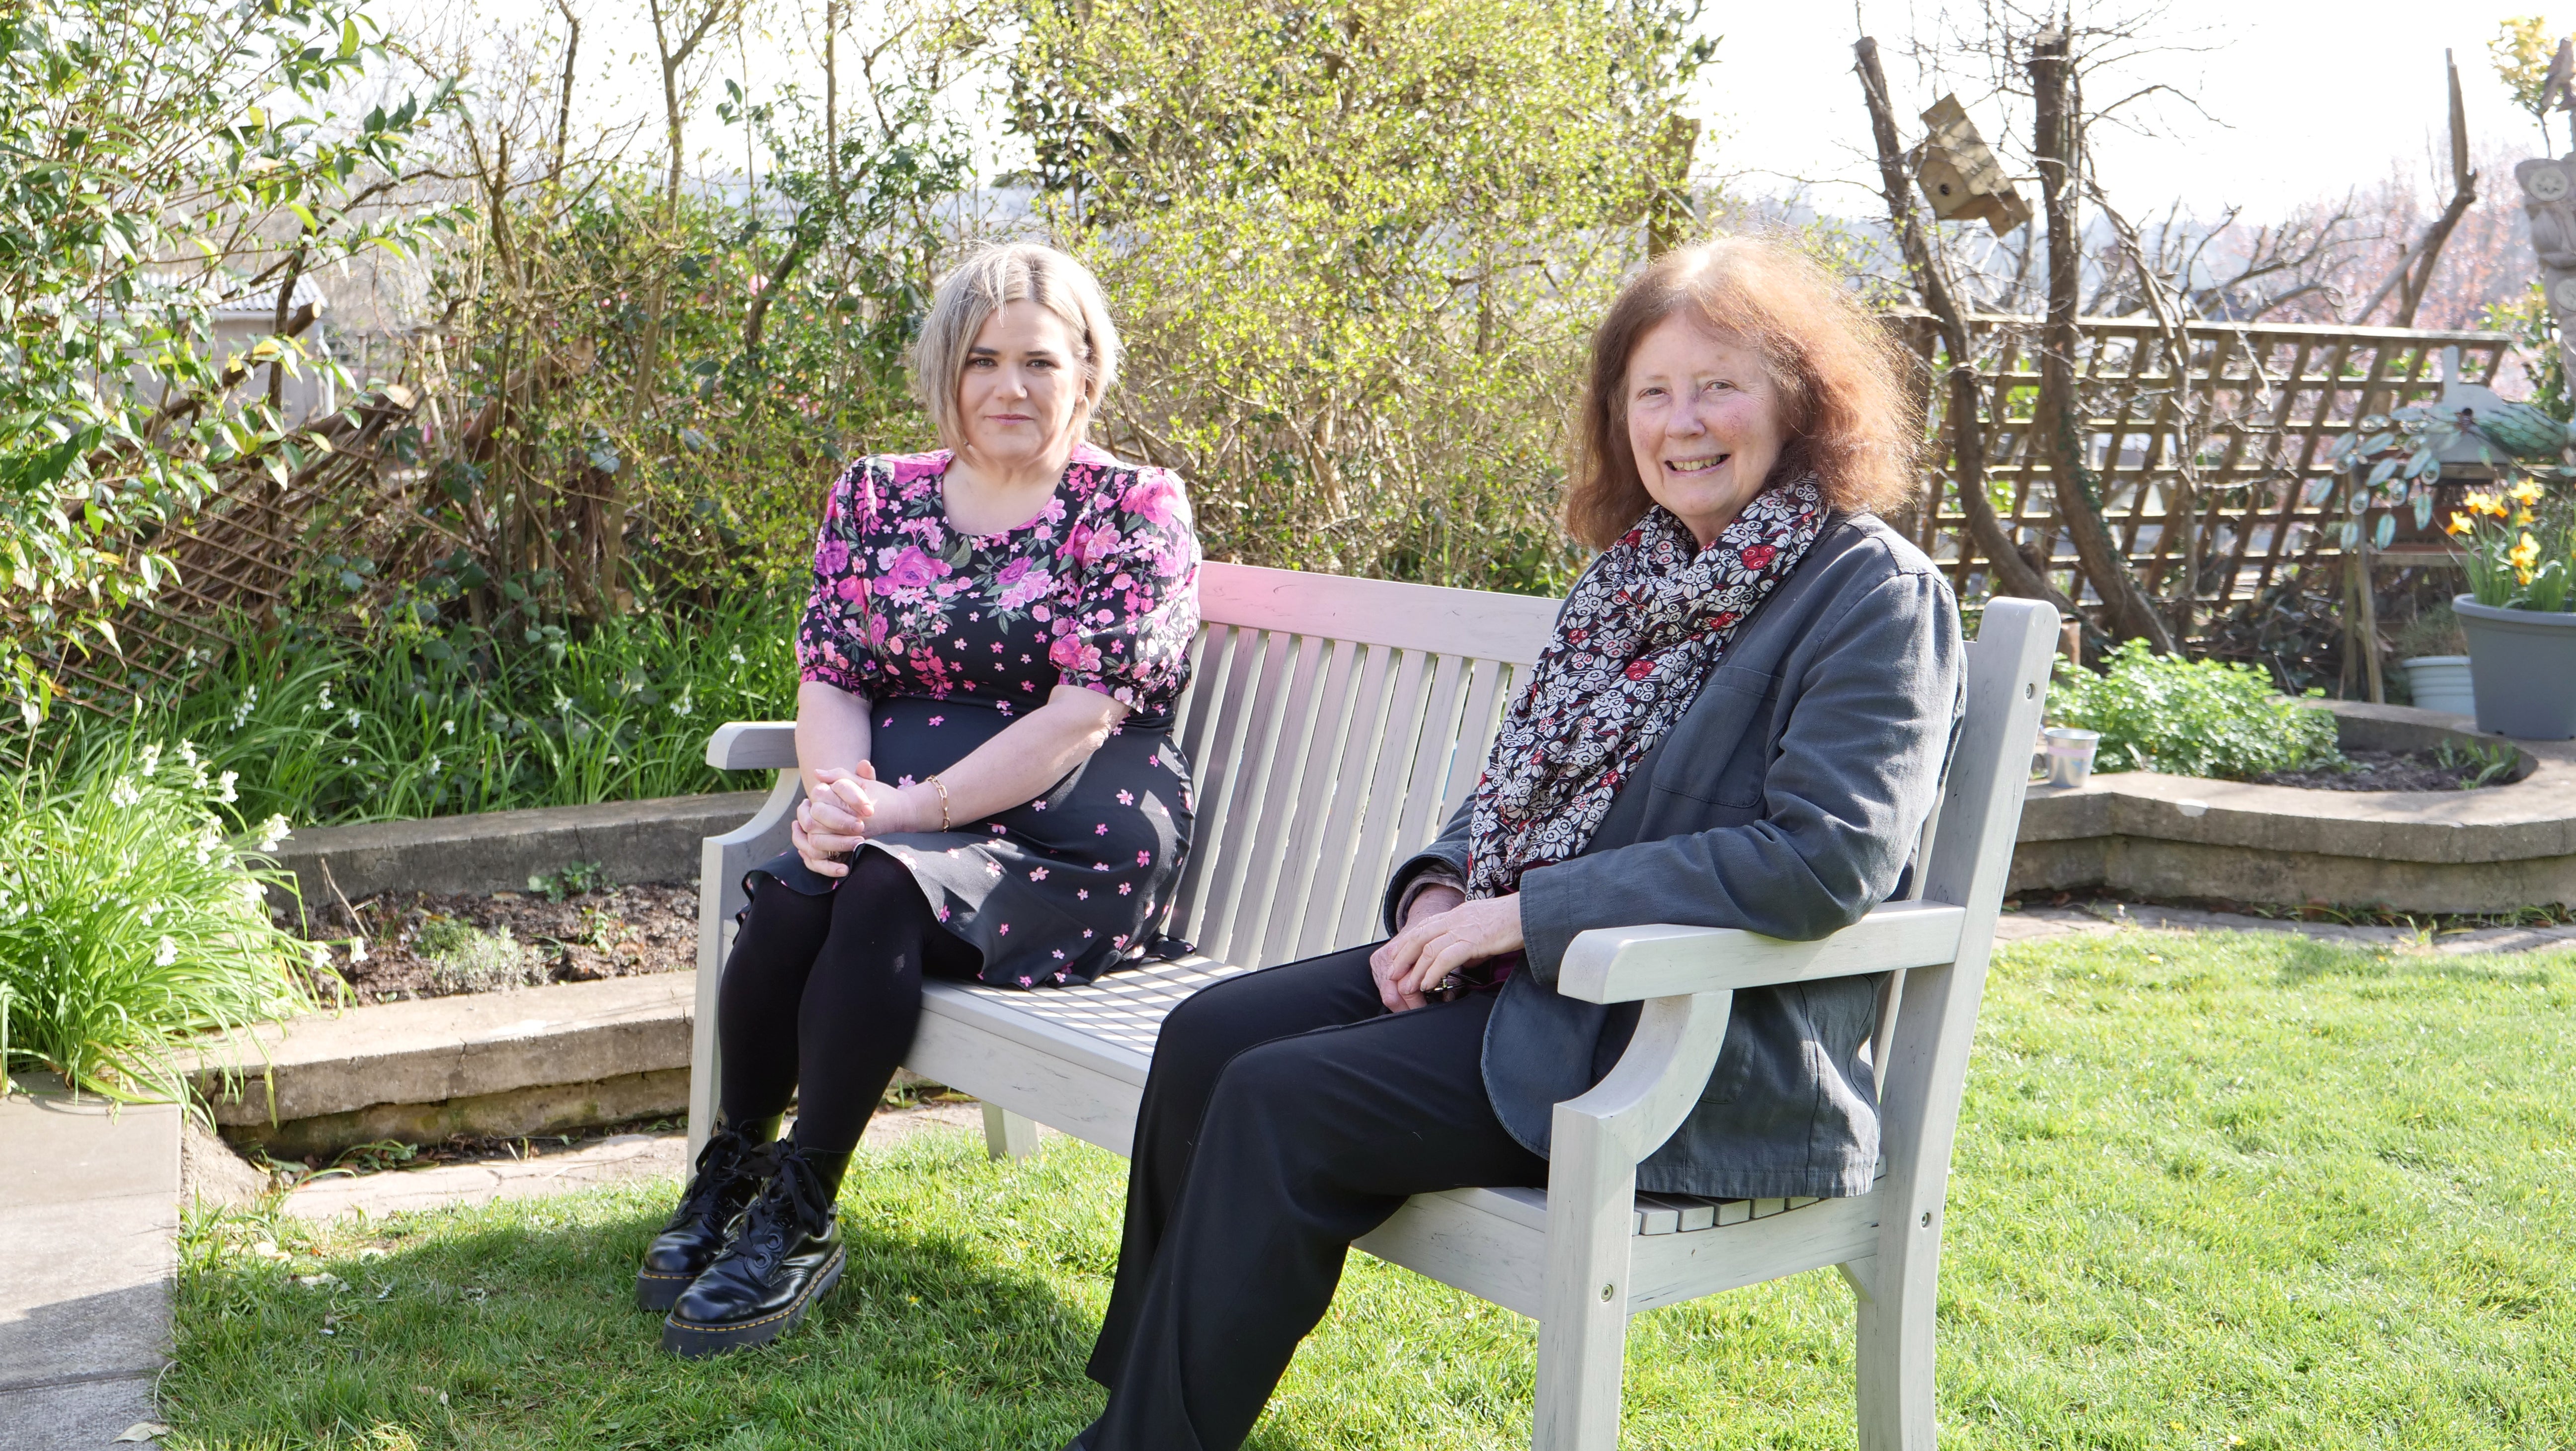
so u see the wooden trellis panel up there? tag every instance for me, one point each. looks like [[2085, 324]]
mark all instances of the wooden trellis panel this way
[[2269, 399]]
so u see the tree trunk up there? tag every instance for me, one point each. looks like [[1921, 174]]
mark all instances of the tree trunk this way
[[2059, 428], [2013, 574]]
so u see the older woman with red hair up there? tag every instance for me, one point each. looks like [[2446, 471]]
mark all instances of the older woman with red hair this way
[[1740, 722]]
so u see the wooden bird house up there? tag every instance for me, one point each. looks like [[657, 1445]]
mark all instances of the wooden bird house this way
[[1960, 177]]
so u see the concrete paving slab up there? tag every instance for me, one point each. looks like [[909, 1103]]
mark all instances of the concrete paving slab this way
[[611, 1160], [76, 1417], [436, 1049], [89, 1207], [497, 851]]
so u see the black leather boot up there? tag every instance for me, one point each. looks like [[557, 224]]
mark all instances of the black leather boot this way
[[730, 1171], [785, 1253]]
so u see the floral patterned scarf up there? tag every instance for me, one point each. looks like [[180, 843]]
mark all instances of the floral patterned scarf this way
[[1640, 632]]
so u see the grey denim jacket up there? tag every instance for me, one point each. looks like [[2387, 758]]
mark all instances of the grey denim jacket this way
[[1787, 800]]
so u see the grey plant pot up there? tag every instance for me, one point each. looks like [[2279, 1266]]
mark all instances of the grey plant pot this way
[[2524, 666]]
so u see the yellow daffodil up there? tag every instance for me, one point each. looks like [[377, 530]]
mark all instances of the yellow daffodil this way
[[2480, 502], [2524, 556], [2458, 524], [2522, 516], [2526, 492]]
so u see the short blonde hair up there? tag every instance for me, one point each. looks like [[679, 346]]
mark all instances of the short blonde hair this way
[[981, 286]]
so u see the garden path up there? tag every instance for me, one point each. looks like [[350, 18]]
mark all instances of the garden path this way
[[610, 1160], [2032, 924]]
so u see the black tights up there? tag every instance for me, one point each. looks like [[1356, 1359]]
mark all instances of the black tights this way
[[821, 997]]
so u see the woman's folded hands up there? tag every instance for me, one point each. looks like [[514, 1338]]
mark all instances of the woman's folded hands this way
[[1444, 933], [853, 806]]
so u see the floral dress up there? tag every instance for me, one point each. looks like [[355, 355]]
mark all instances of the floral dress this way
[[952, 636]]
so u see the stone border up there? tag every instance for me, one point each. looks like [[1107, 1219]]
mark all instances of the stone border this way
[[497, 851], [2150, 835]]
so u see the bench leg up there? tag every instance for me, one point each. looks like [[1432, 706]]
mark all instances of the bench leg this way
[[1893, 1358], [1008, 1135], [1583, 1327]]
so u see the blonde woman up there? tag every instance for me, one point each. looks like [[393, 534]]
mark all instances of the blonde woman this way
[[997, 637]]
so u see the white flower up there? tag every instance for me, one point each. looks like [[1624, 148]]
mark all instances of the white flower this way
[[252, 891], [735, 654], [166, 954], [326, 696], [357, 949], [354, 717], [450, 728], [241, 712], [123, 793], [433, 765], [321, 957], [273, 831], [684, 706], [348, 760], [151, 761], [224, 786]]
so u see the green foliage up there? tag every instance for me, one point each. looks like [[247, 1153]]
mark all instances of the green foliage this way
[[149, 145], [2274, 1192], [2190, 718], [1357, 250], [132, 916], [570, 880], [2521, 52], [401, 721], [464, 959]]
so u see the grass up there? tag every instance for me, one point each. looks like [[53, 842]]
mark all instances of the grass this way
[[403, 722], [2210, 1191]]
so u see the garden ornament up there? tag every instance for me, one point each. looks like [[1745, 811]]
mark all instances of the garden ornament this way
[[1960, 176]]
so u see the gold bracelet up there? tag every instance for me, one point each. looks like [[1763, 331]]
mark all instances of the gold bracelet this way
[[941, 787]]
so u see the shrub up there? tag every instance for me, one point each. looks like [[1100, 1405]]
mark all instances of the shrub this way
[[2191, 717], [129, 921], [463, 959]]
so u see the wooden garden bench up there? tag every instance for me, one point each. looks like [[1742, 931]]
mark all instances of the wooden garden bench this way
[[1334, 725]]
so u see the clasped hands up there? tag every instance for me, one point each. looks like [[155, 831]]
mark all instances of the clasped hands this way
[[851, 806], [1444, 933]]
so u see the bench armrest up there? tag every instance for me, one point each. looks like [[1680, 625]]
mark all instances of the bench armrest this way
[[753, 745], [1625, 964]]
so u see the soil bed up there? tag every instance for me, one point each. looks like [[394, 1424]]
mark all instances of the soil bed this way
[[508, 939], [2393, 771]]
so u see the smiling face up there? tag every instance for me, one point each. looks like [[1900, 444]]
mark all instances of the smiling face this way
[[1705, 422], [1020, 397]]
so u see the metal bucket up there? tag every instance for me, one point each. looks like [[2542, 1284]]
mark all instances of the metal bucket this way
[[2070, 754]]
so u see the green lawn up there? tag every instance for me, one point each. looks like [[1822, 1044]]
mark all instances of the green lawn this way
[[2210, 1191]]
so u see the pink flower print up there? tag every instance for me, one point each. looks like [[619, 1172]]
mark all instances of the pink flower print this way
[[833, 557], [903, 781], [998, 829], [1004, 929], [1123, 581], [1027, 981], [997, 647], [1155, 496], [1037, 874], [1126, 798], [934, 720], [1086, 932], [1012, 572], [889, 722], [1059, 954], [1120, 940], [1101, 830], [1090, 546], [1040, 613], [850, 587], [1037, 806], [1082, 894], [911, 569], [1144, 858], [943, 914], [992, 869], [1126, 889], [1059, 977], [1069, 653], [876, 629]]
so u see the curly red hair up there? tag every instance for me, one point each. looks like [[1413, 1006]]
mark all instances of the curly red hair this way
[[1839, 371]]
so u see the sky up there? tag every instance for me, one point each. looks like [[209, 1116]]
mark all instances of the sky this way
[[2305, 99]]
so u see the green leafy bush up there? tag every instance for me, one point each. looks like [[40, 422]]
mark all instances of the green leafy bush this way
[[465, 959], [399, 722], [130, 920], [2190, 717]]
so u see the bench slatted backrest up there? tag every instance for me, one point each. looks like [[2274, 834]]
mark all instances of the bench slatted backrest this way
[[1333, 725]]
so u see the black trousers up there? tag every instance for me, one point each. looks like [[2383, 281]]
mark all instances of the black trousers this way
[[821, 997], [1287, 1114]]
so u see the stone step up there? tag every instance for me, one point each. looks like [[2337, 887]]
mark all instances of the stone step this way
[[539, 1060], [631, 841]]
